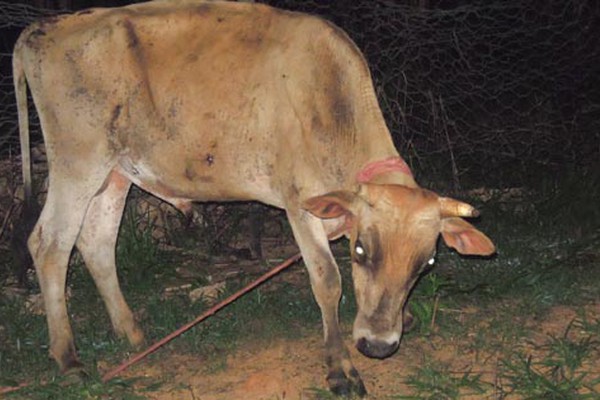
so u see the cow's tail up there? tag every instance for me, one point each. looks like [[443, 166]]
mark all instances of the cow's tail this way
[[20, 83]]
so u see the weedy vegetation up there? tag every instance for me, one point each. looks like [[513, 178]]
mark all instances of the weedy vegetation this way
[[439, 382], [495, 309]]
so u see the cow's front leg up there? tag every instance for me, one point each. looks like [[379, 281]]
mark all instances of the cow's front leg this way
[[325, 279]]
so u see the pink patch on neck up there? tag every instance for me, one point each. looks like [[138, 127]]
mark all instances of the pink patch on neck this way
[[392, 164]]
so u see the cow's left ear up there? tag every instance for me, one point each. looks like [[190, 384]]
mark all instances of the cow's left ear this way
[[331, 205], [465, 238]]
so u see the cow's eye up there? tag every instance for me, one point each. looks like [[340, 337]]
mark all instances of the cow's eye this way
[[359, 249], [360, 253], [431, 260]]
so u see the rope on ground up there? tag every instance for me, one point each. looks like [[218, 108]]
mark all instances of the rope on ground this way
[[111, 374]]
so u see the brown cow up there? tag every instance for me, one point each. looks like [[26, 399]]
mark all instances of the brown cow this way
[[197, 101]]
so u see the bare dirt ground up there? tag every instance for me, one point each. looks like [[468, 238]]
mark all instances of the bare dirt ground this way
[[295, 369]]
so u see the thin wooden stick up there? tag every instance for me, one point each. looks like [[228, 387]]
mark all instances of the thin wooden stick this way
[[111, 374], [10, 389], [435, 310]]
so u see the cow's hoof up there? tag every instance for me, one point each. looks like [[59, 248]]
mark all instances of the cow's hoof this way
[[137, 340], [75, 375], [343, 386]]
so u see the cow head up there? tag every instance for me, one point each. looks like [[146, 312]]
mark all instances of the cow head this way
[[393, 232]]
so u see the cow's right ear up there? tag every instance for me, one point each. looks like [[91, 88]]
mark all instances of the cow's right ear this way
[[465, 238], [331, 205]]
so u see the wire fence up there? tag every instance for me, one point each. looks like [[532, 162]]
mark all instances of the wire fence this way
[[484, 87], [13, 18]]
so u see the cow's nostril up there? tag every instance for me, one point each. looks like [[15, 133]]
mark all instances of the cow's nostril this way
[[376, 348]]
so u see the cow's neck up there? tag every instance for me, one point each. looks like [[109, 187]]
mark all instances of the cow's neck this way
[[377, 159], [389, 170]]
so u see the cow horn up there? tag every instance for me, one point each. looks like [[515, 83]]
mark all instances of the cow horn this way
[[454, 208]]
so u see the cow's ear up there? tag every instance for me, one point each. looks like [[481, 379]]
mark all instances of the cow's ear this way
[[463, 237], [331, 205]]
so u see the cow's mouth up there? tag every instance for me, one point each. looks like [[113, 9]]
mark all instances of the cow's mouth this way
[[376, 348]]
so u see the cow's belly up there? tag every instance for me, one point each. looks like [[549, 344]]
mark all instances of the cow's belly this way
[[208, 177]]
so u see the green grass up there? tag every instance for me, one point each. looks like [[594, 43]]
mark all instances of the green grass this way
[[547, 256], [434, 381], [140, 263], [58, 388], [24, 341], [559, 373]]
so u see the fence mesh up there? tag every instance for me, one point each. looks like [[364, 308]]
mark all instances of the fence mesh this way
[[481, 87], [13, 18], [484, 86]]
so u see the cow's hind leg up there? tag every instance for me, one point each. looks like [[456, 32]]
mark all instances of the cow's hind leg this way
[[342, 377], [50, 244], [96, 243]]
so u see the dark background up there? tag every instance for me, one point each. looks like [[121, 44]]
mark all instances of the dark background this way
[[473, 91]]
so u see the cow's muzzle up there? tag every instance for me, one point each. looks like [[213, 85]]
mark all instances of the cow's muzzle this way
[[376, 348]]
